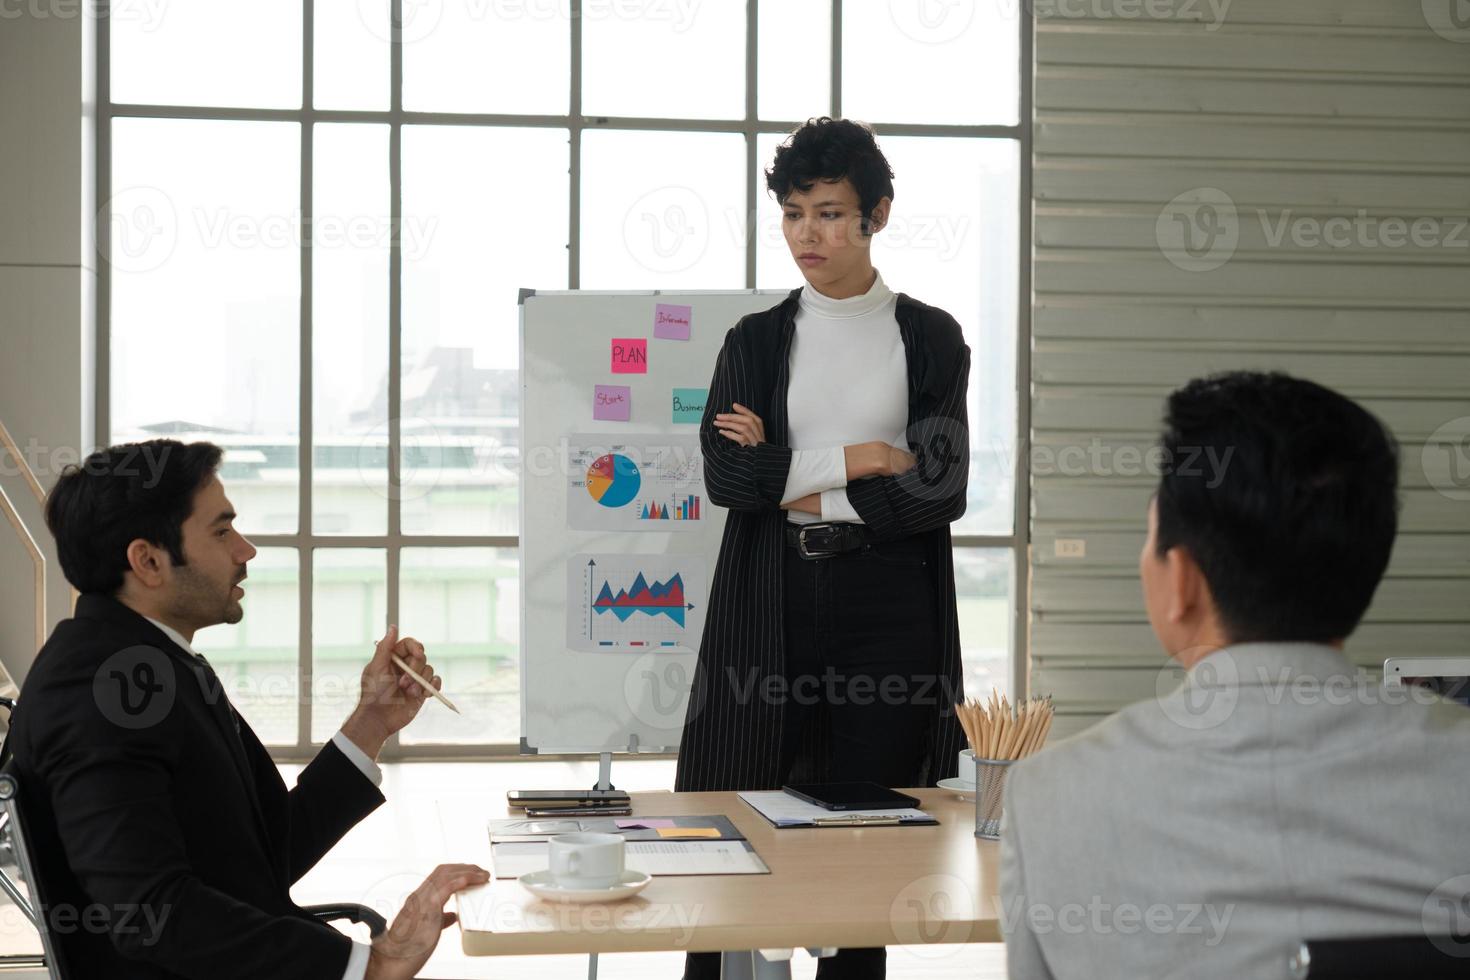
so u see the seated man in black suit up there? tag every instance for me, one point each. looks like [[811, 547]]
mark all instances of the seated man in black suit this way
[[168, 840]]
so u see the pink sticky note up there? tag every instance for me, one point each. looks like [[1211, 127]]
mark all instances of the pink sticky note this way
[[612, 403], [671, 322], [630, 355]]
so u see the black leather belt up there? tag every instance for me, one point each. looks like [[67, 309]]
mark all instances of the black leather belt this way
[[823, 539]]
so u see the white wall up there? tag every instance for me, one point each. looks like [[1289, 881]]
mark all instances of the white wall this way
[[1303, 109], [47, 282]]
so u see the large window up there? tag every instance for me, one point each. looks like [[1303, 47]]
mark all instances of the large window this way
[[318, 219]]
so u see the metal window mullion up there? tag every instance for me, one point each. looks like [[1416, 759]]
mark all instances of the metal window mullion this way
[[537, 120], [320, 541], [306, 379], [836, 59], [574, 152], [1021, 528], [504, 541], [305, 576], [102, 251], [752, 130], [395, 327]]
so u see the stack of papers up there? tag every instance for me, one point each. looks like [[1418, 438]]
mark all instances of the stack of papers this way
[[785, 810], [711, 827], [714, 857], [685, 845]]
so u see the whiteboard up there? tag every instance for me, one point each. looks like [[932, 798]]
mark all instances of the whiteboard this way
[[606, 658]]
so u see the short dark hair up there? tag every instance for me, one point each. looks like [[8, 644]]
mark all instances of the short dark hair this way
[[120, 494], [831, 149], [1293, 532]]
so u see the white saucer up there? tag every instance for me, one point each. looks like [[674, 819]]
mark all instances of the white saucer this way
[[966, 790], [542, 885]]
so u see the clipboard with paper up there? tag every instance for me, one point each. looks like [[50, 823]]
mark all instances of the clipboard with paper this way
[[785, 811]]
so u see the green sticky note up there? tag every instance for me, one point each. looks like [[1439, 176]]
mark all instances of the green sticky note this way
[[689, 405]]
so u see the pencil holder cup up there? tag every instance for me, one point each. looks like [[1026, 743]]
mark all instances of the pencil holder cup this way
[[990, 785]]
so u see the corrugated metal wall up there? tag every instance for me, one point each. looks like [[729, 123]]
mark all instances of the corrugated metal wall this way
[[1278, 184]]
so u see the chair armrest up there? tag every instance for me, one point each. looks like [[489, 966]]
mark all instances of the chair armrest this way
[[376, 924], [1422, 957]]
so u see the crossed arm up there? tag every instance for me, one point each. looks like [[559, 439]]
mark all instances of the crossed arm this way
[[745, 428], [894, 493]]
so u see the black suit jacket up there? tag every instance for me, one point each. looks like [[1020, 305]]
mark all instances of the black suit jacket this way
[[165, 839]]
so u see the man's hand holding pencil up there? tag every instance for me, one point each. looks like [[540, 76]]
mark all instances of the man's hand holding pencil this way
[[395, 685]]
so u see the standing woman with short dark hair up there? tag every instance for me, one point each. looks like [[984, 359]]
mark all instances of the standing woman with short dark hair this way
[[835, 432]]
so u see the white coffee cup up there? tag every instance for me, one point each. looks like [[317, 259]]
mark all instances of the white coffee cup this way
[[586, 860], [967, 767]]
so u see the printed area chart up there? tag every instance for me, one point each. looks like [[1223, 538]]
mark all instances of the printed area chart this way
[[647, 483], [635, 602]]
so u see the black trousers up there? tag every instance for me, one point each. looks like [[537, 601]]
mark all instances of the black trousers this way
[[862, 666]]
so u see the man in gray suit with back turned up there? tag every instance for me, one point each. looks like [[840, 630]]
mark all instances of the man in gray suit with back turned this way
[[1279, 794]]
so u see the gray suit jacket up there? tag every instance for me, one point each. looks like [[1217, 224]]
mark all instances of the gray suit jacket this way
[[1277, 795]]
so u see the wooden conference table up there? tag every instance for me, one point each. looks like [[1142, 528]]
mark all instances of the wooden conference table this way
[[828, 888]]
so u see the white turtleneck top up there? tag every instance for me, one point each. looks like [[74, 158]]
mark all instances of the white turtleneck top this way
[[849, 384]]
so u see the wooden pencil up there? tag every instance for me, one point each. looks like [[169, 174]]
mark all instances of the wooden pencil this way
[[1000, 730]]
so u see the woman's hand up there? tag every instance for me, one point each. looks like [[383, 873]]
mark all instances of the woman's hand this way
[[899, 460], [877, 459], [742, 426]]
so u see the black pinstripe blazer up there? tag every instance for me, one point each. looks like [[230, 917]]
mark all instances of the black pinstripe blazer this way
[[732, 735]]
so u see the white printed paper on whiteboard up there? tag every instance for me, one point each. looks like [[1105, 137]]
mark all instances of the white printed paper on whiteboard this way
[[638, 483], [635, 602]]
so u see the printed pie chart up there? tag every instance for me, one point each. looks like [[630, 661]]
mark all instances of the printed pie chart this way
[[613, 480]]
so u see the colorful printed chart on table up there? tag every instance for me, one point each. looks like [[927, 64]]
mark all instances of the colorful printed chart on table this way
[[648, 483], [634, 602]]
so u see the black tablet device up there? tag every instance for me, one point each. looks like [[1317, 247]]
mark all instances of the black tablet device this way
[[851, 796]]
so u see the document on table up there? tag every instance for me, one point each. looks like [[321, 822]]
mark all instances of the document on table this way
[[511, 859], [785, 810], [711, 826]]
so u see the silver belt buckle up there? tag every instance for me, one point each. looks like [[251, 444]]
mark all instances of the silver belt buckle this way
[[801, 548]]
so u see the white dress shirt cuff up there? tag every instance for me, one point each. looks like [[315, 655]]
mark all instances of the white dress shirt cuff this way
[[836, 507], [357, 962], [814, 470], [359, 759]]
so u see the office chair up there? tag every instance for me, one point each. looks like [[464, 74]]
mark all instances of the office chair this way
[[14, 851], [1420, 957]]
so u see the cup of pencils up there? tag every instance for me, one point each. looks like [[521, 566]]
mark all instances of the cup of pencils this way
[[1000, 734]]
